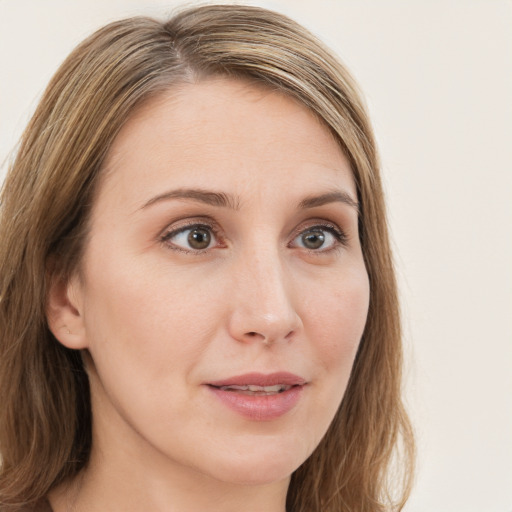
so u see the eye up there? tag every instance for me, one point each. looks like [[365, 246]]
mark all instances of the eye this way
[[196, 237], [319, 238]]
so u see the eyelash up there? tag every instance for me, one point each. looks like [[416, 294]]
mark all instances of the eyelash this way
[[339, 236]]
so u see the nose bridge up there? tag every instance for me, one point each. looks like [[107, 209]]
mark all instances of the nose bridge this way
[[263, 305]]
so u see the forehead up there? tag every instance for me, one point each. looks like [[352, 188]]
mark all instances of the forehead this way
[[231, 132]]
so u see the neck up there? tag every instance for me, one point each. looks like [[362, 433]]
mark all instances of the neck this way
[[134, 490]]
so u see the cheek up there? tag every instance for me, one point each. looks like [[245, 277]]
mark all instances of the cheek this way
[[147, 329], [337, 323], [148, 317]]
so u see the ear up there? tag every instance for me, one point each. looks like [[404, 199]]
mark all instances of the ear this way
[[64, 311]]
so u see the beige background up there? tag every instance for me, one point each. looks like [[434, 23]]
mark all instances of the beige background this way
[[438, 78]]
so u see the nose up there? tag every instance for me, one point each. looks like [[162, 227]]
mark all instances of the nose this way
[[263, 306]]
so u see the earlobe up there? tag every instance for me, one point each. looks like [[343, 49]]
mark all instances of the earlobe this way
[[64, 312]]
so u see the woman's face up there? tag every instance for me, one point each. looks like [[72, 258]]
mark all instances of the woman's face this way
[[223, 292]]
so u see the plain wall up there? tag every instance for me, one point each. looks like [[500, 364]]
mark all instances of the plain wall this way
[[437, 75]]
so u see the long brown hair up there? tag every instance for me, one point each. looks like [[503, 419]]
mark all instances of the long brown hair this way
[[45, 418]]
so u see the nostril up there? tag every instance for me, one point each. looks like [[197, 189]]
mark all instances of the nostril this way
[[258, 336]]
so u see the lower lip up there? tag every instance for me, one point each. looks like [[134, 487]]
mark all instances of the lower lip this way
[[260, 407]]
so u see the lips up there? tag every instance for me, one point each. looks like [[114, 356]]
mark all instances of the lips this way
[[260, 397], [261, 379], [257, 390]]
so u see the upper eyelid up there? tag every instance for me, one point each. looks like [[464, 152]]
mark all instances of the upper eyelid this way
[[172, 229], [320, 223], [205, 221]]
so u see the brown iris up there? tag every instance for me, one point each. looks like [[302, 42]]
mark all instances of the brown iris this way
[[199, 238]]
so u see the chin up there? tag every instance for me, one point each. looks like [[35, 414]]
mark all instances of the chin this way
[[256, 476], [261, 465]]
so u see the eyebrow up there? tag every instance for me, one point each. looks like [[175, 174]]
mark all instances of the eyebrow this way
[[228, 201], [336, 196], [203, 196]]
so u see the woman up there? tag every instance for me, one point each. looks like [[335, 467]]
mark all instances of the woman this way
[[198, 305]]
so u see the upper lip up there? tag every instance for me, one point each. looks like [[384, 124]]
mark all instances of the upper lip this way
[[260, 379]]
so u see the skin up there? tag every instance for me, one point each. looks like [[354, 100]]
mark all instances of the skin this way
[[157, 318]]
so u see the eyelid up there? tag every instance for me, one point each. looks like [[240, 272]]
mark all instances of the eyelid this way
[[176, 226]]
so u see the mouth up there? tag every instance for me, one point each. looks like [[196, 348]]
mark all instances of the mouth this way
[[254, 390], [272, 383], [260, 397]]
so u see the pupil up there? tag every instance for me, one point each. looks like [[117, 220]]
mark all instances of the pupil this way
[[313, 240], [199, 238]]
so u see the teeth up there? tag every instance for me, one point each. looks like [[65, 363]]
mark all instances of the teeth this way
[[278, 388]]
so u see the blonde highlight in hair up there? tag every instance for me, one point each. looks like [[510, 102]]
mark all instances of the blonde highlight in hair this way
[[45, 417]]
